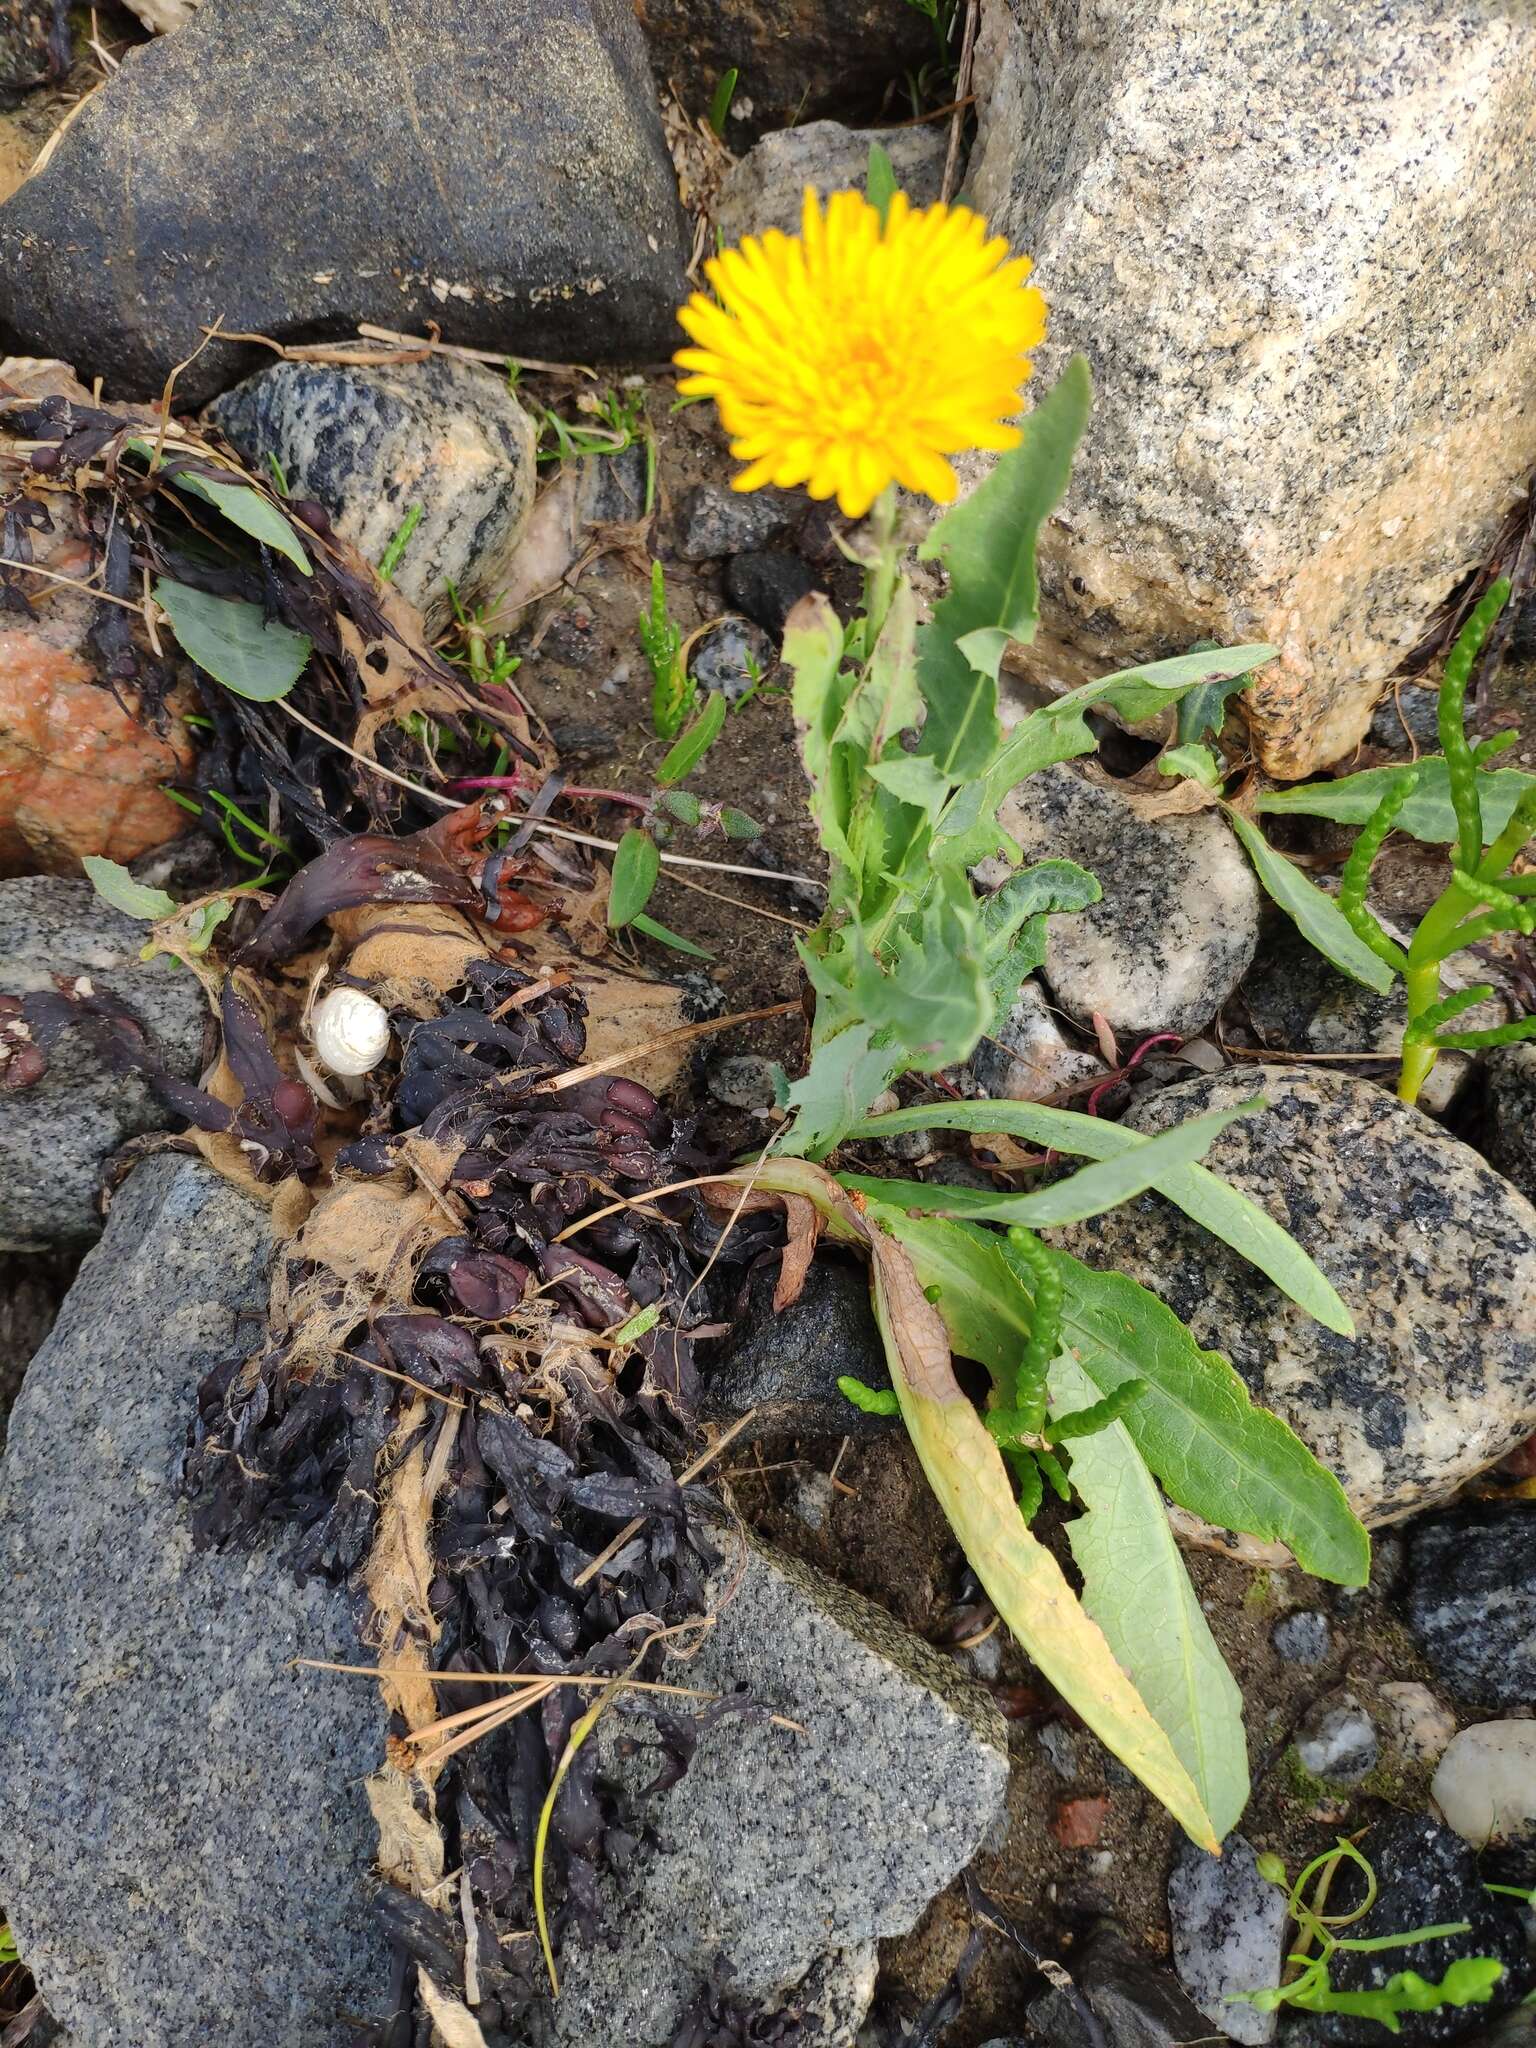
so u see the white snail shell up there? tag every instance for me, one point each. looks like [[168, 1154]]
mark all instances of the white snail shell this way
[[350, 1031]]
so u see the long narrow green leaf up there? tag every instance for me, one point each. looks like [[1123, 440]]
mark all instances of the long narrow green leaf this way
[[1428, 813], [636, 868], [987, 544], [1234, 1465], [1136, 1588], [1088, 1192], [250, 511], [1313, 912], [1203, 1196]]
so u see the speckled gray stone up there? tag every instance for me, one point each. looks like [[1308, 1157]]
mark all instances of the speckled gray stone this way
[[1179, 919], [766, 188], [1303, 1637], [785, 1364], [1227, 1924], [1299, 1002], [1337, 1741], [777, 1845], [56, 1134], [1029, 1058], [1434, 1255], [1284, 237], [1471, 1600], [1508, 1121], [715, 520], [743, 1080], [187, 1850], [500, 171], [369, 443]]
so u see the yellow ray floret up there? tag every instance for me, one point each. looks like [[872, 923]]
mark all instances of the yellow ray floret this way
[[854, 355]]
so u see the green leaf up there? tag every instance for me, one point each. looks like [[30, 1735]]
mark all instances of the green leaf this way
[[987, 544], [1313, 912], [1197, 763], [250, 511], [845, 1075], [1205, 708], [720, 99], [1013, 920], [813, 649], [1235, 1465], [1218, 1455], [252, 655], [683, 805], [636, 867], [205, 922], [653, 929], [239, 503], [114, 885], [1136, 1588], [1428, 813], [931, 998], [1088, 1192], [880, 181], [691, 746], [1202, 1195]]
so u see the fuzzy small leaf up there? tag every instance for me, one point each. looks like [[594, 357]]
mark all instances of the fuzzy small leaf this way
[[1313, 912], [880, 181], [114, 885], [234, 642], [845, 1075], [636, 867], [1136, 1588], [1428, 813], [1198, 763]]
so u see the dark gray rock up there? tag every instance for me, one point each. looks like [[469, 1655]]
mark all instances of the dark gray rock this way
[[1228, 1925], [1426, 1877], [1433, 1254], [1297, 1002], [787, 1365], [1303, 1637], [1337, 1741], [187, 1845], [776, 1843], [499, 171], [767, 587], [715, 520], [1407, 720], [371, 443], [1471, 1601], [743, 1080], [1179, 919], [1135, 2004], [56, 1134], [732, 659], [766, 188], [1507, 1125], [796, 59]]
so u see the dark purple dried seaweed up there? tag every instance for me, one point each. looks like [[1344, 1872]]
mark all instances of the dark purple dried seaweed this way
[[537, 1487]]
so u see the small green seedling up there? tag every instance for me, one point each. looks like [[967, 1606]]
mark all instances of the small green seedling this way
[[720, 103], [672, 689], [1468, 1981], [394, 554]]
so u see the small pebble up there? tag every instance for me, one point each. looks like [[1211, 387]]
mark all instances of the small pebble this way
[[1060, 1746], [1303, 1637], [812, 1498], [1417, 1724], [1486, 1783], [1338, 1742], [1078, 1823], [743, 1081], [986, 1658], [1228, 1926], [731, 659]]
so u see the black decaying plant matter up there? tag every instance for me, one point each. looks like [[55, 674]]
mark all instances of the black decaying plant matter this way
[[500, 1344]]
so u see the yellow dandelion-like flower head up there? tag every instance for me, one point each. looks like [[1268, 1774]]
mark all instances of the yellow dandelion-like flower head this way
[[856, 353]]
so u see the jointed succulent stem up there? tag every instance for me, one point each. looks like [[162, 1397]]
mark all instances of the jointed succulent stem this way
[[1462, 767]]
